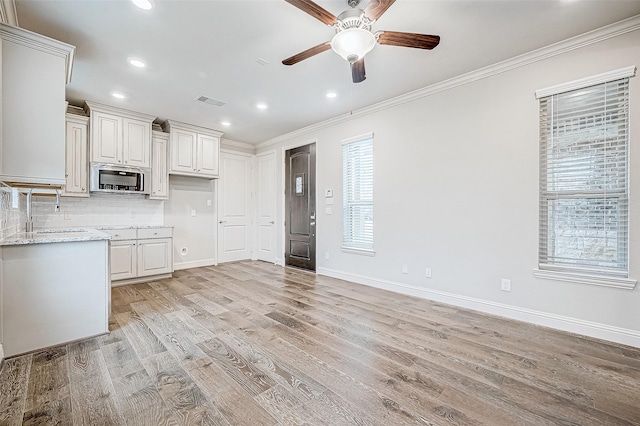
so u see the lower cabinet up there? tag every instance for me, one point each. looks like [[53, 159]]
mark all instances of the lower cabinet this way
[[154, 257], [123, 259], [141, 254]]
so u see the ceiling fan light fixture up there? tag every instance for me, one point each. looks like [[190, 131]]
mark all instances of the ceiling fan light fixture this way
[[353, 43]]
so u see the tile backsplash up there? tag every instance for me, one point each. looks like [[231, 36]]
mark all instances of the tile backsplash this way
[[97, 210], [11, 220]]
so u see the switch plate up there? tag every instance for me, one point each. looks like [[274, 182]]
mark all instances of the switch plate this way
[[405, 269], [193, 213], [328, 201], [326, 255], [328, 210], [427, 273], [505, 285], [208, 203], [328, 192]]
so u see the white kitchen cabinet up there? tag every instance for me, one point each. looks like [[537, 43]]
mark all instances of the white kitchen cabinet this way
[[154, 256], [119, 136], [193, 150], [123, 259], [34, 71], [76, 164], [140, 254], [159, 168]]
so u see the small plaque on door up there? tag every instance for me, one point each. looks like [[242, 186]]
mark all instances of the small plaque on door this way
[[299, 180]]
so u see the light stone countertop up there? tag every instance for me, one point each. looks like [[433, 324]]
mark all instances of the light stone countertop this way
[[132, 227], [42, 236]]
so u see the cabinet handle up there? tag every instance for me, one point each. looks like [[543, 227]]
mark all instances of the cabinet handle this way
[[272, 222]]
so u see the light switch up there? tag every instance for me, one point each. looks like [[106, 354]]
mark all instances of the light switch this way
[[328, 192], [327, 210], [193, 213], [328, 201], [208, 203]]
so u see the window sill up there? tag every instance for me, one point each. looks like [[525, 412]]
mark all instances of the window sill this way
[[362, 252], [623, 283]]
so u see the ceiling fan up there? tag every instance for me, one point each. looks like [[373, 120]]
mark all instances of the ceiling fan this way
[[353, 38]]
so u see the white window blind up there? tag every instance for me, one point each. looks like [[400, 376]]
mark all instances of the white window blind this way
[[584, 168], [357, 190]]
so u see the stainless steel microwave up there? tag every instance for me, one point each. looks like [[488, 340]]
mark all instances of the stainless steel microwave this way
[[120, 179]]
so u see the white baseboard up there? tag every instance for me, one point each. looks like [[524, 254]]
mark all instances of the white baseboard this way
[[560, 322], [279, 262], [1, 354], [194, 264]]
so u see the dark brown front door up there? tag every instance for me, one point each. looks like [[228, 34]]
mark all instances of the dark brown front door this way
[[300, 207]]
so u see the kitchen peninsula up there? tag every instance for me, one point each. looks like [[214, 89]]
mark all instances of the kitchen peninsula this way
[[54, 288]]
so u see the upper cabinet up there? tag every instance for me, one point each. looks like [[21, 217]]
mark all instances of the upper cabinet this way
[[193, 150], [34, 72], [77, 155], [119, 136], [159, 171]]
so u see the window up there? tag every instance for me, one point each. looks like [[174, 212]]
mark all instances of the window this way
[[584, 176], [357, 194]]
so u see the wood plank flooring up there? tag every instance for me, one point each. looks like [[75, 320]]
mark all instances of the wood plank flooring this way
[[250, 343]]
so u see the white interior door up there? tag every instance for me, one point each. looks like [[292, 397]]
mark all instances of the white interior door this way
[[266, 207], [234, 207]]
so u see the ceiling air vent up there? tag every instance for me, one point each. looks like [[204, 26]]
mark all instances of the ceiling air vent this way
[[210, 101]]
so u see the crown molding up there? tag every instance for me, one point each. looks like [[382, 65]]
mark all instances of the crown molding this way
[[8, 14], [41, 43], [90, 106], [577, 42], [167, 125], [237, 144]]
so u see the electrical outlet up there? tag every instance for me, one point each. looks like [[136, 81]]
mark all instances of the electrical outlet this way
[[405, 269], [505, 285], [428, 273]]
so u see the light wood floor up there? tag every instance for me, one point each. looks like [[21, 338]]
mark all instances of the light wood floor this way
[[253, 344]]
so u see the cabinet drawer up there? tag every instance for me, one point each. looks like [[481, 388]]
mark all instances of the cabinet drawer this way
[[144, 233], [121, 234]]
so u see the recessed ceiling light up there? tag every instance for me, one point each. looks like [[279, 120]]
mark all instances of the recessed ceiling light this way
[[331, 95], [261, 106], [144, 4], [136, 62], [118, 95], [225, 123]]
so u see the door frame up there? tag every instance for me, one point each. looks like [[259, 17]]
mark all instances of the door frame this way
[[283, 183]]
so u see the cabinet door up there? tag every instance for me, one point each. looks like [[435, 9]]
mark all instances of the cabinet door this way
[[123, 259], [136, 143], [76, 160], [208, 153], [154, 257], [106, 138], [159, 174], [183, 151]]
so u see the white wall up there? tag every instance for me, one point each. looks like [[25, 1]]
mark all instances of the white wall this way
[[456, 190], [195, 233]]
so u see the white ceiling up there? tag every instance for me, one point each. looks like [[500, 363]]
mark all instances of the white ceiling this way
[[210, 48]]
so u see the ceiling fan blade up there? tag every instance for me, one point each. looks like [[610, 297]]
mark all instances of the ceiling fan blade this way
[[307, 53], [376, 8], [358, 74], [419, 41], [314, 10]]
